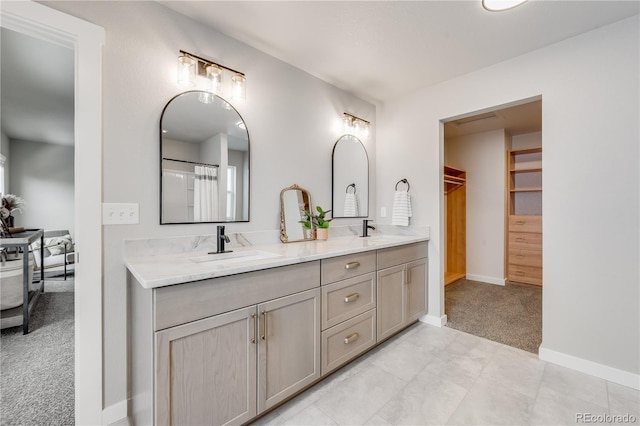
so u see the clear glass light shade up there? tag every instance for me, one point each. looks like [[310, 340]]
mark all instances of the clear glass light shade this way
[[214, 79], [347, 125], [186, 71], [239, 87], [498, 5]]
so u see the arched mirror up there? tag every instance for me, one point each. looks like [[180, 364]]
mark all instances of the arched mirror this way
[[350, 174], [204, 157], [294, 201]]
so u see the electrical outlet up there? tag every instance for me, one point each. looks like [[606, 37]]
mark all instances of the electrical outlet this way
[[383, 212], [120, 213]]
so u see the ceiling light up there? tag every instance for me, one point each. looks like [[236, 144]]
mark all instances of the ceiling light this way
[[499, 5]]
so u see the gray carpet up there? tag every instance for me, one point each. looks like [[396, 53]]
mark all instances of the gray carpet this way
[[36, 370], [510, 314]]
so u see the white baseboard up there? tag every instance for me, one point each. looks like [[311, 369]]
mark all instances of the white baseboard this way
[[115, 414], [488, 280], [605, 372], [433, 320]]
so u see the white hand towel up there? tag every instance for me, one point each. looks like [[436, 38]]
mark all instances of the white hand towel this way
[[350, 205], [401, 209]]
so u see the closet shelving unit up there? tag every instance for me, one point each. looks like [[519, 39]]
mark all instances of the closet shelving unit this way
[[524, 212], [456, 216]]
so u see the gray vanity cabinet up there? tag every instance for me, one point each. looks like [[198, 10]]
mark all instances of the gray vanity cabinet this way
[[206, 371], [223, 350], [288, 346], [401, 287], [226, 369]]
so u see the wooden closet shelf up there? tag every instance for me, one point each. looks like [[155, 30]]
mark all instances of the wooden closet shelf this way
[[527, 150], [526, 170], [526, 190]]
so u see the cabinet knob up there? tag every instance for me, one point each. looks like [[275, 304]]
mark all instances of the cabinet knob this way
[[351, 338], [352, 265], [520, 239], [520, 222], [351, 297]]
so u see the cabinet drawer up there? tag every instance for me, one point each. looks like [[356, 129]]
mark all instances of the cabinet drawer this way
[[525, 240], [525, 224], [347, 340], [525, 257], [393, 256], [525, 274], [342, 267], [348, 298], [183, 303]]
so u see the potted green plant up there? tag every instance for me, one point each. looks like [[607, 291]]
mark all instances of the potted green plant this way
[[319, 221]]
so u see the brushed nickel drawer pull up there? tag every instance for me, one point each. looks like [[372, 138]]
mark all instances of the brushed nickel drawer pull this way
[[351, 338], [519, 256], [520, 239], [520, 273], [408, 275], [352, 297], [264, 327], [352, 265], [520, 222], [255, 327]]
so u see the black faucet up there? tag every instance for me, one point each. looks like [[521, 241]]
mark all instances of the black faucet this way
[[220, 240], [366, 227]]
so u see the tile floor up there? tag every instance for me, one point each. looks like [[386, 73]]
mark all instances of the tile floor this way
[[437, 376]]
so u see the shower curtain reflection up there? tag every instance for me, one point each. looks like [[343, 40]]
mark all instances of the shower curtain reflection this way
[[205, 197]]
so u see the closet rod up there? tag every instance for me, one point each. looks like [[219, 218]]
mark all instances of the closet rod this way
[[453, 182], [190, 162]]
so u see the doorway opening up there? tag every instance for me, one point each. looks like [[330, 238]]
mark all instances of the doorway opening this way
[[492, 191]]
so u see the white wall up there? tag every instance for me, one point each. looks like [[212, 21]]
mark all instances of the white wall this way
[[527, 140], [5, 150], [293, 121], [482, 156], [590, 89], [42, 174]]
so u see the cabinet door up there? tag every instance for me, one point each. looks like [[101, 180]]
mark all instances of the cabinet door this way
[[416, 290], [206, 371], [391, 294], [289, 346]]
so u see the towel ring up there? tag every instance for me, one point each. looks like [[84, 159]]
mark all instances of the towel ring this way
[[353, 185], [403, 181]]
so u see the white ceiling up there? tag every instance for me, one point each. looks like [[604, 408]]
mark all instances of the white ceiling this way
[[376, 50], [382, 49]]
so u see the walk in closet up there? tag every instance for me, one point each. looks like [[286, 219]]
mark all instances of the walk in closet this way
[[456, 222]]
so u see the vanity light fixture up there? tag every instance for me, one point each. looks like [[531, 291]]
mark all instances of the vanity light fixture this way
[[190, 66], [500, 5], [356, 126]]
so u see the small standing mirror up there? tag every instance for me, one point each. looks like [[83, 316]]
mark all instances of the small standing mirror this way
[[350, 173], [294, 201]]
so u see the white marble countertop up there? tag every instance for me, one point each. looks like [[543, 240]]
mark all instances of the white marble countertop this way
[[175, 268]]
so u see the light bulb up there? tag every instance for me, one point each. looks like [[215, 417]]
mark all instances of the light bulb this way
[[239, 87], [186, 71], [214, 77]]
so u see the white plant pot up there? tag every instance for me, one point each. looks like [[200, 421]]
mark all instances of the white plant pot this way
[[11, 283]]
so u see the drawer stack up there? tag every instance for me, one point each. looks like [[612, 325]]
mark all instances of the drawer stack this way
[[348, 308], [525, 249]]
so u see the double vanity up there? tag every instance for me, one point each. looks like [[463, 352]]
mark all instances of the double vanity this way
[[223, 338]]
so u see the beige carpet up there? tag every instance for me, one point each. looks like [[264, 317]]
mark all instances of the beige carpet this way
[[510, 314]]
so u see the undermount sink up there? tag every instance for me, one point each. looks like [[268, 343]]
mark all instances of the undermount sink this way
[[235, 257]]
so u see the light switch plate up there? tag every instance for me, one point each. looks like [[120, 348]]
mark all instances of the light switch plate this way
[[120, 213], [383, 212]]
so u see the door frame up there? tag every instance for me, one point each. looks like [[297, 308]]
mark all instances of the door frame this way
[[86, 39]]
